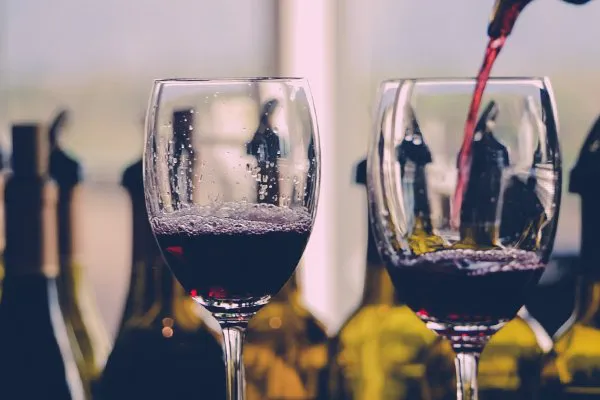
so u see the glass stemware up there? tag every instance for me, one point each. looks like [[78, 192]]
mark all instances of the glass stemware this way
[[231, 177], [465, 279]]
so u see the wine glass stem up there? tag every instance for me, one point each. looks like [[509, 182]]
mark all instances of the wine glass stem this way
[[466, 375], [234, 341]]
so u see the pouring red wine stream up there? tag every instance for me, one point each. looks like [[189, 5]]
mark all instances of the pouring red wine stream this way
[[503, 19]]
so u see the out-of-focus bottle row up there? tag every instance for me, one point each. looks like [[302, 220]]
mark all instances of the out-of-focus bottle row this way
[[53, 344]]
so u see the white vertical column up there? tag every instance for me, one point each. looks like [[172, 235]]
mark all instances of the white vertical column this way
[[355, 95], [307, 48]]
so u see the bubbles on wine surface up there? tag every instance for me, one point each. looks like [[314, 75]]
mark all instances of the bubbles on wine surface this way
[[233, 218], [467, 295], [477, 262], [232, 255]]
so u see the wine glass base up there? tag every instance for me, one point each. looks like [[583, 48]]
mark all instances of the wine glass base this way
[[465, 337]]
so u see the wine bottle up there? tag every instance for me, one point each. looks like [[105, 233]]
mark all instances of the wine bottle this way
[[478, 226], [529, 190], [266, 147], [37, 360], [285, 351], [2, 239], [76, 297], [183, 123], [144, 253], [509, 367], [506, 12], [550, 306], [413, 156], [164, 349], [384, 351], [578, 348]]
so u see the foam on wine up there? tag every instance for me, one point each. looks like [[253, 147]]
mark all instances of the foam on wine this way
[[232, 218], [480, 262]]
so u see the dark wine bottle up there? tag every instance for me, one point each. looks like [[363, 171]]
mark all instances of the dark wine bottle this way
[[36, 358], [144, 252], [478, 222], [183, 124], [265, 147], [414, 156], [384, 351], [506, 12], [2, 239], [164, 348], [578, 348], [285, 351], [504, 16], [529, 191], [76, 297]]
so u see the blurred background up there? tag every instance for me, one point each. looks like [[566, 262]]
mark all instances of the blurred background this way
[[98, 60]]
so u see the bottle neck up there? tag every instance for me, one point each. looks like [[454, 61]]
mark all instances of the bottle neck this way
[[28, 291], [144, 277], [65, 224], [154, 296], [422, 210], [151, 292], [504, 16], [588, 289], [70, 272], [378, 288], [288, 291], [291, 295], [31, 228], [587, 304]]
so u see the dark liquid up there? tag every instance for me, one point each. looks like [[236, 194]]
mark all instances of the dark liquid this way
[[248, 253], [465, 287]]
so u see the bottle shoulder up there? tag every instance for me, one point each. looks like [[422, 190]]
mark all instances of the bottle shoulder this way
[[382, 320], [516, 335], [291, 317], [580, 341]]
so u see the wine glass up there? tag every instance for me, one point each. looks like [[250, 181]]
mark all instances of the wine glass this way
[[231, 177], [465, 280]]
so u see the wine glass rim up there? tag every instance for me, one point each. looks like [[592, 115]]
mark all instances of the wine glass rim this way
[[256, 79], [469, 79]]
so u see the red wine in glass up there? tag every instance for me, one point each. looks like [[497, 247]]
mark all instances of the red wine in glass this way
[[246, 254], [467, 288]]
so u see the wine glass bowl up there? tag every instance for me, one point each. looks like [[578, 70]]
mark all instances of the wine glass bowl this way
[[231, 178], [466, 277]]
